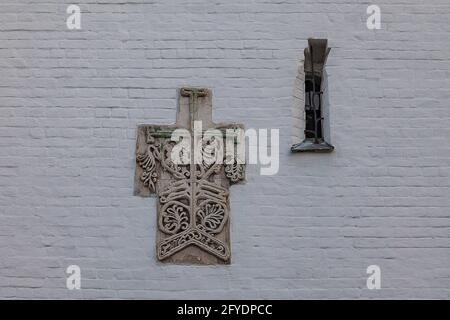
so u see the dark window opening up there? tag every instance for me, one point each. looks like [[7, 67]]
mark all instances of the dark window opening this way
[[313, 109], [315, 58]]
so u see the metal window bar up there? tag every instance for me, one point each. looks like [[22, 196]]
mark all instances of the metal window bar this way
[[315, 58]]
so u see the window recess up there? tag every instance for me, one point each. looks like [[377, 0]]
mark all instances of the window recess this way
[[315, 116]]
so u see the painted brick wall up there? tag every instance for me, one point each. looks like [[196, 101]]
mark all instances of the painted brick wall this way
[[70, 101]]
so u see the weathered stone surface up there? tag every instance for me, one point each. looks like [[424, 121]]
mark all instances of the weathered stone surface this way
[[193, 199]]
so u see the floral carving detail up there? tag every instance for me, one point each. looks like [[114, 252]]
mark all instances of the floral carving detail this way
[[235, 172], [178, 171], [147, 161], [174, 218], [211, 150], [211, 217]]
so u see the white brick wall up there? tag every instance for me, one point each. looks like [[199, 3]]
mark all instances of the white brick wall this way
[[70, 102]]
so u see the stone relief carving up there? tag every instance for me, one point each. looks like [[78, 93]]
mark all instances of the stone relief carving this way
[[193, 198]]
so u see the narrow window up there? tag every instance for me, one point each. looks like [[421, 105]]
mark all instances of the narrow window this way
[[315, 58]]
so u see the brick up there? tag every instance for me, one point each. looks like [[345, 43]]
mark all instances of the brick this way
[[70, 102]]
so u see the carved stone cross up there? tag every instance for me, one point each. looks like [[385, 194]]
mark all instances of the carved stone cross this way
[[193, 198]]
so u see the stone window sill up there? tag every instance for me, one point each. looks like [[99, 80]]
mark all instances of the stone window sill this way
[[308, 145]]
